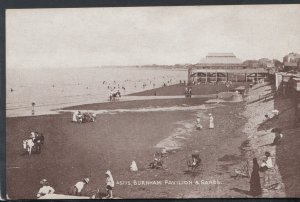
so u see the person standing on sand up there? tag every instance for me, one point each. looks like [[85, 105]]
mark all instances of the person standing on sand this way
[[211, 122], [109, 184], [255, 186]]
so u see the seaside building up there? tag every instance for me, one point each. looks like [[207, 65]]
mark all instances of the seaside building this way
[[288, 84], [223, 67], [267, 64], [291, 62]]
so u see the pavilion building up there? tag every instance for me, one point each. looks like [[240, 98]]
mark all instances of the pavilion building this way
[[224, 67]]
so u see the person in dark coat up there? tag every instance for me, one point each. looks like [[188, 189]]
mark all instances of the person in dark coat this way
[[255, 186]]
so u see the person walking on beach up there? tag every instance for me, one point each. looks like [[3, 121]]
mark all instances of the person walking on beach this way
[[111, 95], [45, 189], [211, 121], [109, 184], [190, 92], [255, 186]]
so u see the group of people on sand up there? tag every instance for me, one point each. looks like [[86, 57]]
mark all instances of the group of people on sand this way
[[211, 122], [264, 167], [114, 94], [188, 92], [79, 117], [77, 189]]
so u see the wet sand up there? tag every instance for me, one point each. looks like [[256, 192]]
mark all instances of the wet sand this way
[[178, 89]]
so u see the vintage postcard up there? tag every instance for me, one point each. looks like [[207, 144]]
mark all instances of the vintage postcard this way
[[153, 102]]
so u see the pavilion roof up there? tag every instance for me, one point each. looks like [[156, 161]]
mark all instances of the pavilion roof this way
[[220, 58]]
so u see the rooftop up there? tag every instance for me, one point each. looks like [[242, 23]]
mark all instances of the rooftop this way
[[220, 55], [296, 55], [220, 58]]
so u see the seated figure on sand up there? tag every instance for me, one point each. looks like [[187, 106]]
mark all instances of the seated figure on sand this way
[[45, 189], [198, 123], [88, 117], [78, 187], [196, 160], [267, 162], [158, 160], [77, 117]]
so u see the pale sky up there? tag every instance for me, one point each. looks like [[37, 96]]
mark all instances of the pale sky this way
[[85, 37]]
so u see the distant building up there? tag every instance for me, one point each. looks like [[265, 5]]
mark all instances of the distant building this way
[[292, 57], [253, 64], [291, 62], [268, 65], [222, 67]]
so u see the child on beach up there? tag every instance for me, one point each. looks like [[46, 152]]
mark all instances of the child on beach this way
[[45, 189], [198, 124], [78, 187], [211, 121], [109, 184]]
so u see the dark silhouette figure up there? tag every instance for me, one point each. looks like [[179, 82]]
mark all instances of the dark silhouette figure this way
[[255, 187]]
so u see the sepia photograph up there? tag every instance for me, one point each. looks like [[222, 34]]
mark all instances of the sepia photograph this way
[[153, 102]]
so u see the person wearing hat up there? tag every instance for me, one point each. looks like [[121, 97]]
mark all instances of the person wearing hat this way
[[211, 121], [198, 124], [267, 162], [45, 189], [78, 187], [109, 184]]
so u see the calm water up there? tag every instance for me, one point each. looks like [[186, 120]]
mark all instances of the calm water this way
[[56, 88]]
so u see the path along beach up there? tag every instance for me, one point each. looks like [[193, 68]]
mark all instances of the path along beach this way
[[73, 151]]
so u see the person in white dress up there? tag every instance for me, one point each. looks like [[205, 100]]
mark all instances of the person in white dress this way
[[133, 167], [211, 121], [75, 114], [109, 184]]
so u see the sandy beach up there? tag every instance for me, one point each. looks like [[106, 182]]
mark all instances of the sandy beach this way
[[135, 131], [100, 90]]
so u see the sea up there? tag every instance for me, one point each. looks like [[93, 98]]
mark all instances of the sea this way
[[54, 88]]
